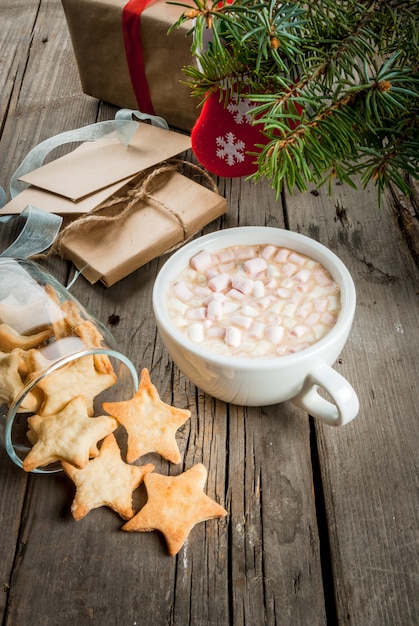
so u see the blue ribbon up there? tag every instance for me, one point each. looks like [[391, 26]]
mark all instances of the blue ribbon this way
[[40, 227], [39, 230]]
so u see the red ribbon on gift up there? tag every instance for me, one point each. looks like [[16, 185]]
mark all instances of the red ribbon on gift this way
[[131, 16]]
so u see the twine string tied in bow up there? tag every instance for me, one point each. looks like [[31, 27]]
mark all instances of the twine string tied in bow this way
[[103, 213]]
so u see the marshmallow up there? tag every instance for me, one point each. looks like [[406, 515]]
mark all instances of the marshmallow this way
[[289, 269], [303, 276], [299, 331], [243, 284], [255, 266], [275, 334], [215, 310], [294, 257], [254, 301], [199, 313], [283, 293], [322, 278], [241, 320], [196, 333], [182, 291], [232, 336], [258, 289], [258, 329], [201, 261], [268, 251], [219, 282], [328, 318], [282, 255]]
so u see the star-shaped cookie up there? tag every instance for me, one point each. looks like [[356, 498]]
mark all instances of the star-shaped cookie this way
[[78, 377], [69, 435], [175, 504], [106, 481], [10, 380], [151, 424], [11, 339]]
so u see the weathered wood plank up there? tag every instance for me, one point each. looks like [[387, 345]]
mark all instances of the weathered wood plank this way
[[33, 45], [259, 565], [370, 467], [45, 96], [17, 20], [17, 23]]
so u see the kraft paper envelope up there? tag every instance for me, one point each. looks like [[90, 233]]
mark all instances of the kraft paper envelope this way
[[99, 164], [81, 180], [59, 204]]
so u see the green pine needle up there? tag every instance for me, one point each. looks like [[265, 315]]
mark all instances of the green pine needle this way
[[345, 72]]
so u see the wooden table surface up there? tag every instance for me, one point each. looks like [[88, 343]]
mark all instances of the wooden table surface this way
[[322, 524]]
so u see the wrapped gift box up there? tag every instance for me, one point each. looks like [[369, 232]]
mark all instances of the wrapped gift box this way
[[126, 58], [175, 210], [132, 224]]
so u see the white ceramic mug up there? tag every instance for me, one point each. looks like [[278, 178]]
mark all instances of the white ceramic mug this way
[[264, 381]]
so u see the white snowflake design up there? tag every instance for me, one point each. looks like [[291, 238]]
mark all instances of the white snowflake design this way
[[230, 149], [240, 110]]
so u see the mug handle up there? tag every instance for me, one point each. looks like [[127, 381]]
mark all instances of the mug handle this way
[[345, 405]]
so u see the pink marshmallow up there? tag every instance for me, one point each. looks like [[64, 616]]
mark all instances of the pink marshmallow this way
[[289, 269], [211, 272], [216, 332], [275, 334], [201, 291], [312, 319], [243, 284], [224, 256], [241, 320], [282, 255], [214, 310], [226, 267], [299, 331], [255, 266], [235, 294], [245, 252], [219, 282], [258, 329], [304, 309], [303, 276], [320, 304], [232, 336], [201, 261], [283, 293], [182, 291], [215, 295], [328, 318], [322, 278], [297, 258], [267, 251], [199, 313]]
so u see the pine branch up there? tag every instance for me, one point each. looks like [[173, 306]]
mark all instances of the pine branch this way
[[345, 71]]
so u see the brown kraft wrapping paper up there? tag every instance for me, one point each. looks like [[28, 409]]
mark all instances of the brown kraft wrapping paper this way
[[96, 32], [122, 205], [173, 212]]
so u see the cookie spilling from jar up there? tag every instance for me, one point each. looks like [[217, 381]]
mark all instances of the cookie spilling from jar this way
[[61, 330], [254, 301], [63, 428]]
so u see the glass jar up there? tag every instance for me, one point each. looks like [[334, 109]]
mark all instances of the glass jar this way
[[43, 329]]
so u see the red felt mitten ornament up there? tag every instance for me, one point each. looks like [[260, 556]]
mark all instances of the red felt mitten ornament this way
[[224, 134]]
